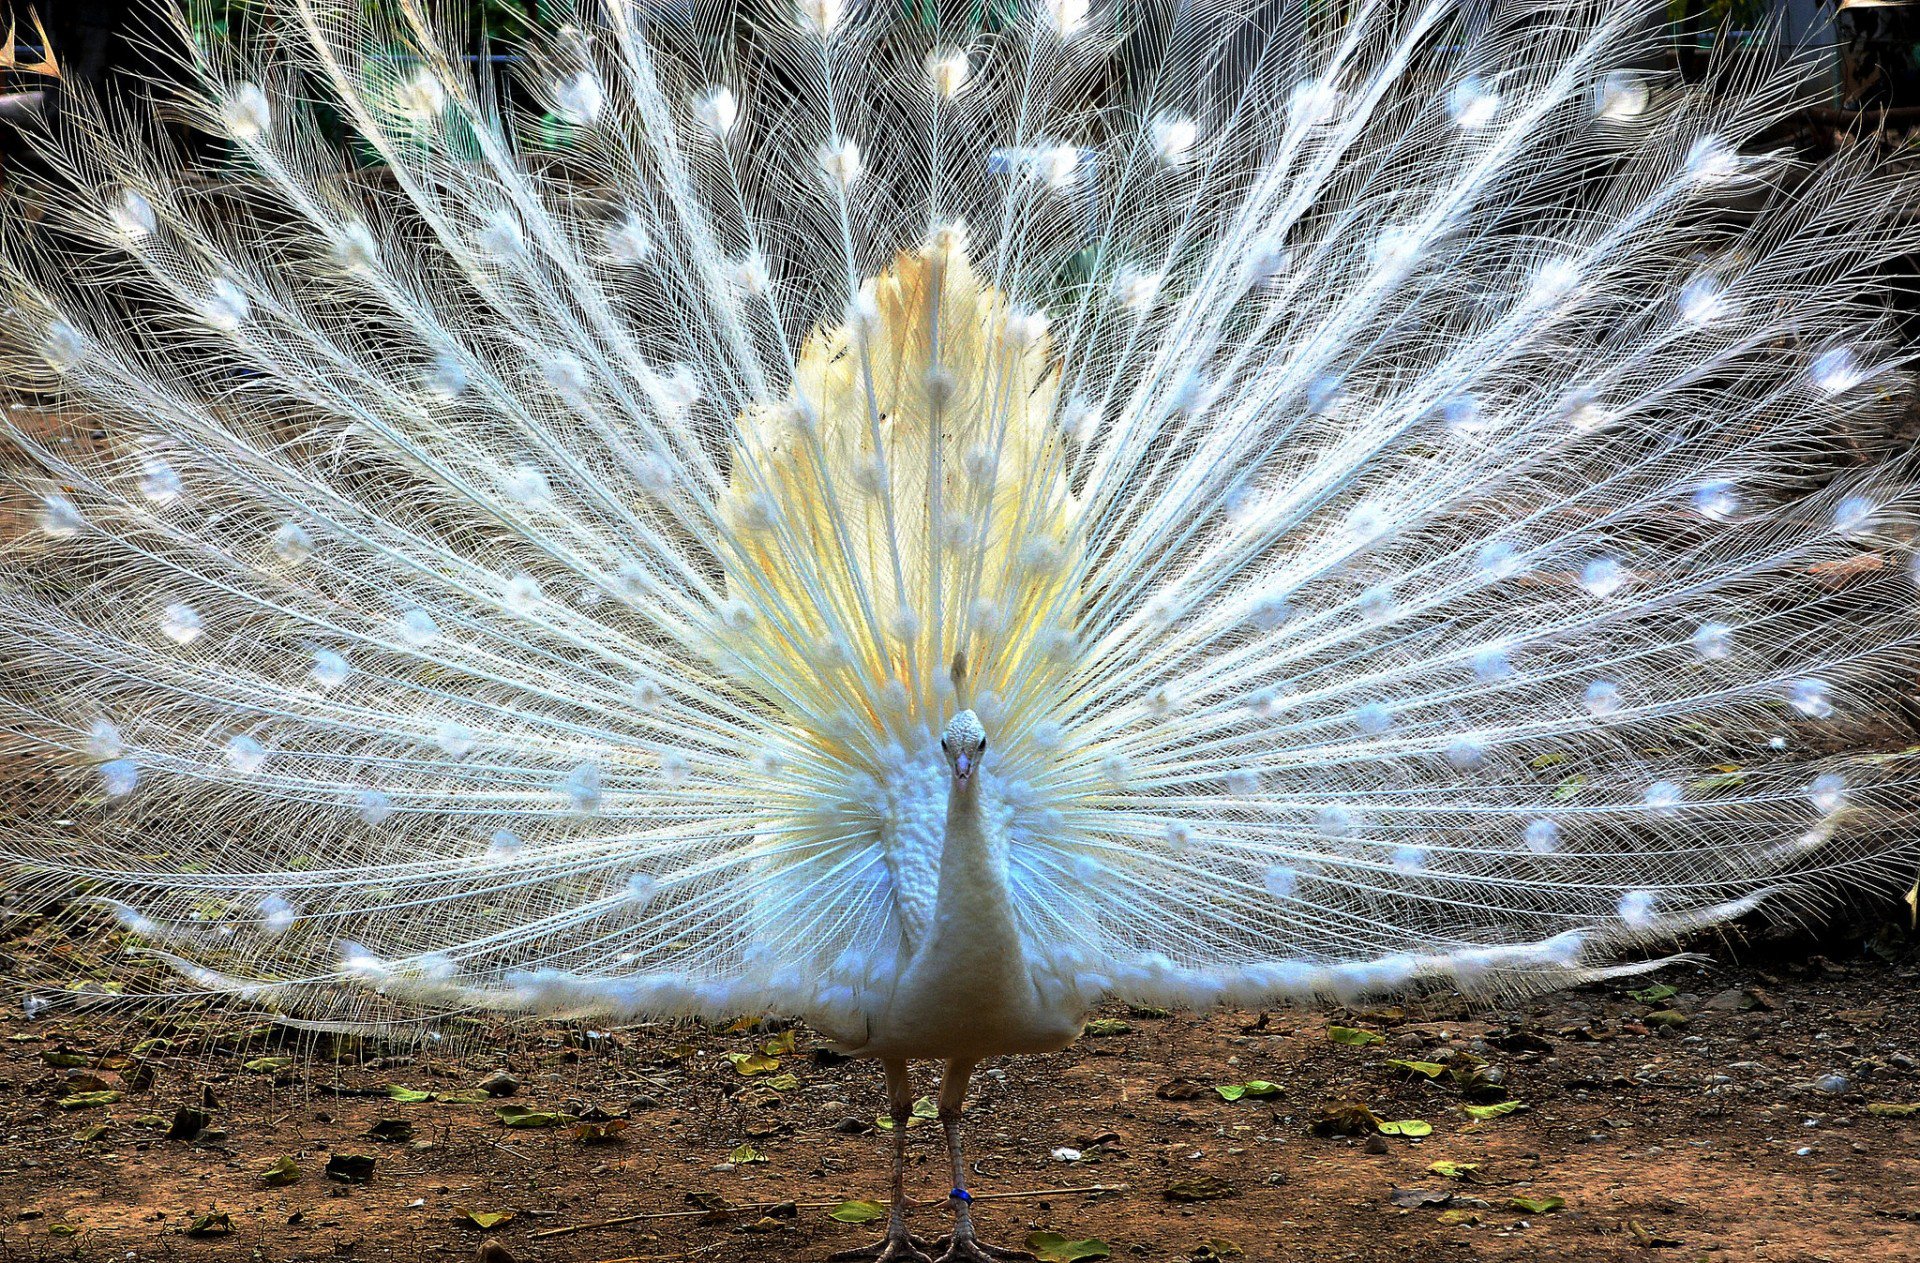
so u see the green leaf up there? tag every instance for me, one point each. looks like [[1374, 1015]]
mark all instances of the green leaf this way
[[283, 1171], [62, 1230], [1354, 1037], [780, 1045], [1455, 1170], [521, 1116], [1426, 1069], [215, 1223], [924, 1111], [857, 1212], [64, 1059], [1667, 1017], [1657, 992], [1251, 1088], [485, 1220], [753, 1063], [1051, 1247], [1888, 1109], [468, 1096], [87, 1100], [1536, 1205], [267, 1065], [1485, 1112], [1109, 1026], [1407, 1127], [407, 1096], [1541, 762], [1569, 788], [746, 1154]]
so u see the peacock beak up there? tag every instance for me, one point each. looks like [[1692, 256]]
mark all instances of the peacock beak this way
[[963, 766]]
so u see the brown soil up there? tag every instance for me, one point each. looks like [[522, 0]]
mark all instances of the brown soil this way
[[1712, 1138]]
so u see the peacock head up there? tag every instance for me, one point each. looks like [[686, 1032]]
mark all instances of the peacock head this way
[[964, 743]]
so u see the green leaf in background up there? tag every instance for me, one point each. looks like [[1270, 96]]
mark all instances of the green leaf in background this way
[[1536, 1205], [1051, 1247], [1251, 1088], [484, 1220], [1407, 1127], [407, 1096], [1354, 1037], [857, 1212], [1109, 1026], [1426, 1069], [87, 1100], [1654, 994], [283, 1171], [1888, 1109], [1484, 1112], [746, 1154], [521, 1116]]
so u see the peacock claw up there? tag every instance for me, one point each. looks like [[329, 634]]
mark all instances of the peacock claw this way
[[904, 1248], [970, 1249]]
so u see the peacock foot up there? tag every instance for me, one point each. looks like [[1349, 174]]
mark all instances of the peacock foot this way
[[964, 1247], [893, 1248]]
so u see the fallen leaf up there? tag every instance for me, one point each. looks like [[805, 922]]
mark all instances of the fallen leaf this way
[[1182, 1090], [784, 1082], [468, 1096], [1109, 1026], [604, 1132], [780, 1045], [1485, 1112], [391, 1130], [283, 1171], [215, 1223], [267, 1065], [1419, 1198], [753, 1063], [1345, 1118], [1459, 1216], [406, 1095], [1407, 1127], [1536, 1205], [1420, 1069], [350, 1168], [1354, 1037], [1654, 994], [1251, 1088], [1666, 1017], [521, 1116], [1888, 1109], [857, 1212], [1458, 1170], [484, 1220], [64, 1058], [1213, 1249], [1201, 1188], [746, 1154], [87, 1100], [924, 1110], [1051, 1247]]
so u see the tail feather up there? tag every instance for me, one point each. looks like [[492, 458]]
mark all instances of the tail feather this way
[[1415, 493]]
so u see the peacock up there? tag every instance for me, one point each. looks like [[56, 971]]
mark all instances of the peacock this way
[[923, 518]]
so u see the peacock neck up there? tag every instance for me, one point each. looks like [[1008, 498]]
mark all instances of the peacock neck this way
[[973, 875]]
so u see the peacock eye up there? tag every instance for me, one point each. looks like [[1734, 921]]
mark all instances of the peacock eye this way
[[945, 746], [983, 745]]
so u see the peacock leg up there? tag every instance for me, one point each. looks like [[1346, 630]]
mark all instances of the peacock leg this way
[[963, 1246], [898, 1246]]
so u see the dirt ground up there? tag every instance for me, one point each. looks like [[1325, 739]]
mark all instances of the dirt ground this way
[[1743, 1111]]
